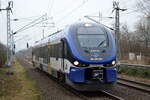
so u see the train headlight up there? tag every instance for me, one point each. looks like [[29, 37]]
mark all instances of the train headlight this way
[[87, 25], [113, 62], [76, 63]]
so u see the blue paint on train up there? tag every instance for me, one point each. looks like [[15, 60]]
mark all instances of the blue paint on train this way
[[76, 74], [77, 56], [110, 74]]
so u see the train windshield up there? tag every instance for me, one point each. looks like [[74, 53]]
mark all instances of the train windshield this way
[[91, 37]]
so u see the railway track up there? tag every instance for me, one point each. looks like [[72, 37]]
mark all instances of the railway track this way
[[71, 90], [100, 95], [82, 95], [87, 95], [134, 84], [112, 96], [136, 65], [63, 85]]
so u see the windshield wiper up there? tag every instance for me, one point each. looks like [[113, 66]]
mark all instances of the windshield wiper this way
[[87, 51], [101, 43]]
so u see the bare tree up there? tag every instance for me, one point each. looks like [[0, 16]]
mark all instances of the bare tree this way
[[2, 53], [125, 40], [143, 6], [143, 32], [130, 42]]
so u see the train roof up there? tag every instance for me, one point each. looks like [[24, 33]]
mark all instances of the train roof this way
[[74, 25]]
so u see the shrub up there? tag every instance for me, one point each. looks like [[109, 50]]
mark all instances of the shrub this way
[[2, 54], [133, 71]]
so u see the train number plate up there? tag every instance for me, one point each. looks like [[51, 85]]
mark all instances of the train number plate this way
[[97, 74]]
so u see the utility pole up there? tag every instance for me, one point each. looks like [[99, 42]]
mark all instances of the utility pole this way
[[98, 21], [117, 27], [9, 53], [44, 25], [9, 38], [100, 16]]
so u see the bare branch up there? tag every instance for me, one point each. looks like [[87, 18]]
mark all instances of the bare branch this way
[[143, 6]]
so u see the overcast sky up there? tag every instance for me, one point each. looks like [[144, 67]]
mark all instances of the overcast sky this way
[[64, 12]]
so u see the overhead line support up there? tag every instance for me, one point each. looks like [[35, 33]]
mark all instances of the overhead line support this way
[[9, 36], [117, 27]]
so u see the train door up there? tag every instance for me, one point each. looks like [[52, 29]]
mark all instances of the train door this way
[[48, 57], [63, 55], [61, 75]]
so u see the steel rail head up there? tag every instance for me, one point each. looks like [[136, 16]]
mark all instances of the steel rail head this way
[[136, 65]]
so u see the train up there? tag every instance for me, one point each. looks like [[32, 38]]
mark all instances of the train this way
[[82, 55]]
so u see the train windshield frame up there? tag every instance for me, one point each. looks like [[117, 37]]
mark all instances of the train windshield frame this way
[[92, 37]]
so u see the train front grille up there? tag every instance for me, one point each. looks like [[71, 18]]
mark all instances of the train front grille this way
[[94, 73]]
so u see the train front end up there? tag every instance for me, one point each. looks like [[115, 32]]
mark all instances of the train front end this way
[[93, 57]]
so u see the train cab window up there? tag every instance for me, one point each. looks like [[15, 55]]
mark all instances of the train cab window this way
[[91, 37]]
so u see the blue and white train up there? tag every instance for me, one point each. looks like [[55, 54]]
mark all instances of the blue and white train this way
[[83, 55]]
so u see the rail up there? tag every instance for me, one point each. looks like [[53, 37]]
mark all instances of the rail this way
[[135, 65], [81, 95], [112, 96], [134, 84]]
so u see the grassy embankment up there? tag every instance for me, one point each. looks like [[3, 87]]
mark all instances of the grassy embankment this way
[[137, 72], [17, 86]]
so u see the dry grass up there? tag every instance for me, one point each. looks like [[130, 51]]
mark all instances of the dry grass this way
[[17, 86]]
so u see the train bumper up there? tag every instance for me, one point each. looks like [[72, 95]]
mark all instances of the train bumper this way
[[90, 86], [76, 75], [91, 78], [110, 74]]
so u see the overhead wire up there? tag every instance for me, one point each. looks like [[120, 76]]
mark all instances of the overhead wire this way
[[29, 26], [51, 6], [72, 11], [0, 4], [27, 18], [64, 9], [49, 9], [133, 11], [32, 23], [144, 4], [130, 12], [57, 13], [26, 36], [29, 23], [48, 6]]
